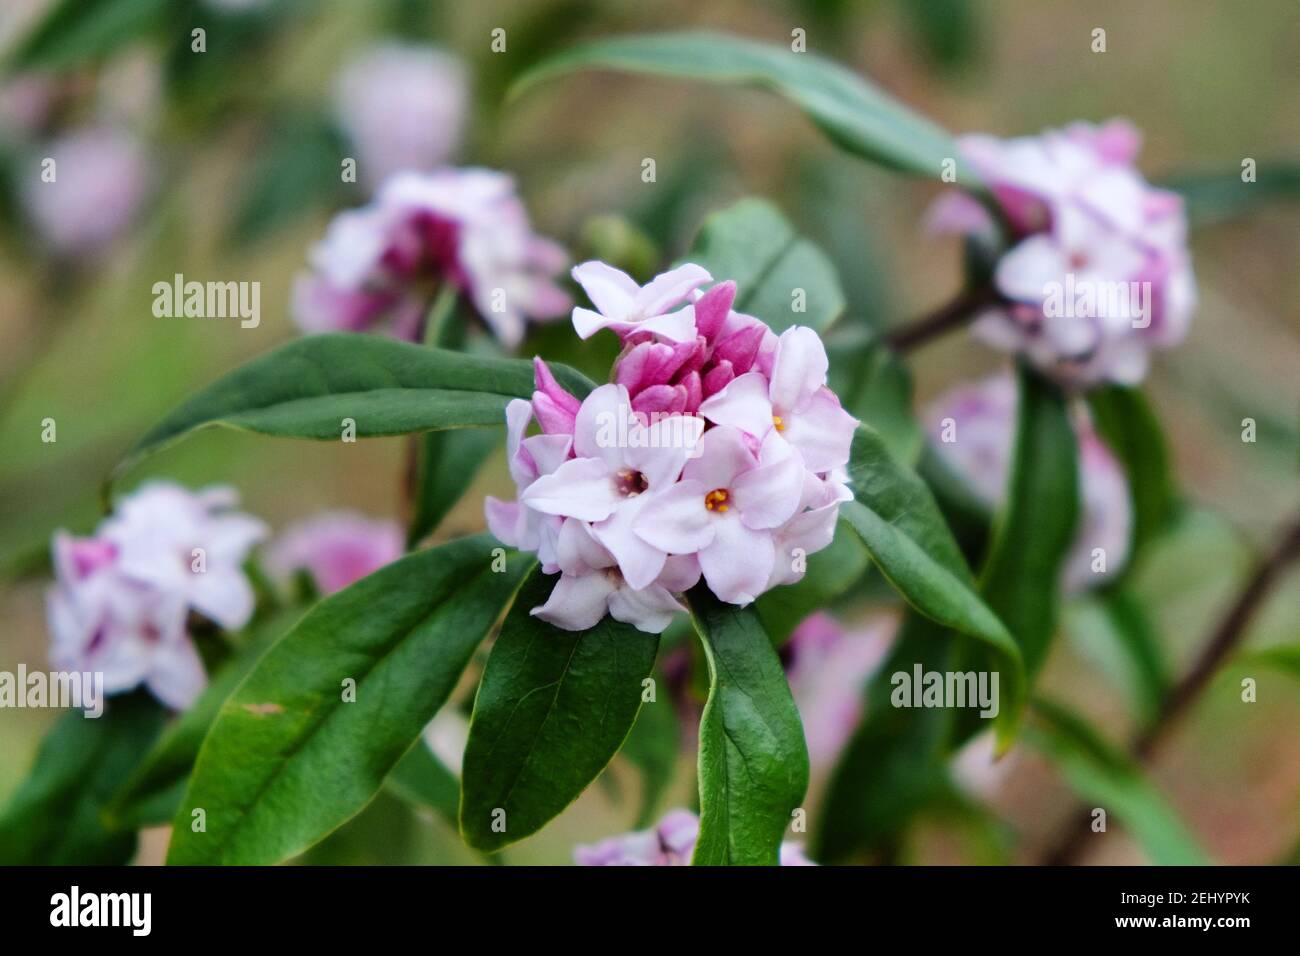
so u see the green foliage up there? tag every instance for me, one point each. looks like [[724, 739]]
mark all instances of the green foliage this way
[[855, 114], [753, 763], [553, 708], [399, 639]]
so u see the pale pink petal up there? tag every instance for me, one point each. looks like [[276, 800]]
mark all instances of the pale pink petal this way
[[681, 573], [650, 610], [742, 404], [602, 424], [577, 602], [675, 521], [738, 562], [822, 431], [612, 291], [768, 495], [639, 561], [176, 675], [724, 453], [577, 552], [581, 488], [676, 326], [670, 288], [798, 370]]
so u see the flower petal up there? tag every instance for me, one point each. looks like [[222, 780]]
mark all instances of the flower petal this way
[[798, 369], [577, 602], [581, 488], [675, 521], [822, 431], [738, 562], [742, 404]]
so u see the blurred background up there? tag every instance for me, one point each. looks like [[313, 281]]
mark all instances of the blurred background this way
[[225, 166]]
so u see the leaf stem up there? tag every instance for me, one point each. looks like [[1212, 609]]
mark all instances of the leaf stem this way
[[1227, 634], [952, 315]]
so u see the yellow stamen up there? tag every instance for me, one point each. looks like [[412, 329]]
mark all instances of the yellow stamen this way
[[778, 422], [716, 500]]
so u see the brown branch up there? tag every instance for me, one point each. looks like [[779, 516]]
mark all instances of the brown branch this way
[[954, 314], [1226, 635]]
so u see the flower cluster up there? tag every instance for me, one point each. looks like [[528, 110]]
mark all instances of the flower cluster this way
[[978, 446], [122, 598], [335, 549], [716, 451], [670, 843], [402, 106], [384, 262], [1100, 274]]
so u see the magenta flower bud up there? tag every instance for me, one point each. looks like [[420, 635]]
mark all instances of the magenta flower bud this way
[[553, 390], [740, 348], [694, 392], [712, 308], [664, 399], [554, 419], [717, 377]]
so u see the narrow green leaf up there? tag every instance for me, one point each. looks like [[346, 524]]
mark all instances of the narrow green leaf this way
[[307, 388], [898, 520], [449, 461], [1107, 778], [1221, 197], [1284, 658], [652, 747], [75, 31], [421, 777], [753, 762], [1033, 534], [776, 270], [552, 710], [291, 755], [56, 817], [1128, 425], [154, 791], [855, 114]]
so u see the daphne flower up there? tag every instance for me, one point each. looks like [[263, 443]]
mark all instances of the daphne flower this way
[[724, 510], [621, 466], [403, 106], [981, 420], [336, 549], [795, 403], [1100, 274], [591, 584], [670, 843], [466, 227], [626, 307], [122, 598], [101, 180]]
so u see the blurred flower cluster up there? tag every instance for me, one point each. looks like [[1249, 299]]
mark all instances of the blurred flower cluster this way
[[669, 843]]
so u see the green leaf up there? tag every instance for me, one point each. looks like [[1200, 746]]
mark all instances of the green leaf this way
[[552, 710], [56, 817], [288, 758], [449, 461], [652, 747], [1107, 778], [876, 388], [1128, 425], [1221, 197], [154, 791], [895, 764], [753, 763], [1284, 658], [74, 31], [831, 572], [948, 30], [307, 388], [1033, 534], [855, 114], [898, 520], [752, 243], [421, 777]]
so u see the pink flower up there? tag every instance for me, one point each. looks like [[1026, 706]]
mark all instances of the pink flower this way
[[634, 483], [794, 403], [336, 549], [828, 669], [122, 598], [724, 510], [660, 307], [973, 427], [463, 226], [101, 180], [1100, 274], [670, 843], [622, 466], [403, 106]]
